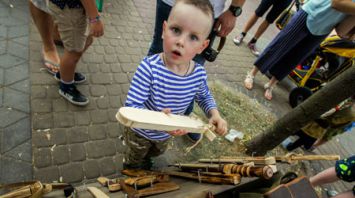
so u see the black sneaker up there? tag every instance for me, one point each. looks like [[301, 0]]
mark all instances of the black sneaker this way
[[194, 137], [78, 77], [73, 95]]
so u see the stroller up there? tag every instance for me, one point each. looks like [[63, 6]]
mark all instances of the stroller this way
[[334, 56]]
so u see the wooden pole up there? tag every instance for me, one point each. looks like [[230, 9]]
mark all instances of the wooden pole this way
[[326, 98]]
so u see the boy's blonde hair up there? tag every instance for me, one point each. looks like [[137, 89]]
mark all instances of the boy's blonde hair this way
[[204, 5]]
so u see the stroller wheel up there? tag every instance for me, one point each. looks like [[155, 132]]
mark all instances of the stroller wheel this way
[[298, 95]]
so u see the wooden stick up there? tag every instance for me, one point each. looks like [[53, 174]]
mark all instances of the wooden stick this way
[[231, 179], [97, 192], [292, 157]]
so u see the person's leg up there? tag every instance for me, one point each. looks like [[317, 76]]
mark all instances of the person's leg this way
[[157, 148], [162, 14], [138, 148], [249, 80], [261, 29], [44, 24], [269, 86], [327, 176]]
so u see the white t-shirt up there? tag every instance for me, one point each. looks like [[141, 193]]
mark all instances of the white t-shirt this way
[[218, 6]]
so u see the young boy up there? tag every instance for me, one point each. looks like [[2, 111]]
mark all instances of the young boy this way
[[169, 81], [72, 18]]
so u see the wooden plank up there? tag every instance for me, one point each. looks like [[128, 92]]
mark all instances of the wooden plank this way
[[97, 193]]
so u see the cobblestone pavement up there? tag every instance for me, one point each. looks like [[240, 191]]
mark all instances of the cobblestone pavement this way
[[77, 144]]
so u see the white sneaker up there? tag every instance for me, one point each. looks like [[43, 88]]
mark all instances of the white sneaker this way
[[238, 39]]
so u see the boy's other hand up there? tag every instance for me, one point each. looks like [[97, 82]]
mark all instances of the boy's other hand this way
[[97, 29], [220, 124]]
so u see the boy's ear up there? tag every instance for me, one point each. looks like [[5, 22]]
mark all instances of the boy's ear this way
[[164, 26], [204, 45]]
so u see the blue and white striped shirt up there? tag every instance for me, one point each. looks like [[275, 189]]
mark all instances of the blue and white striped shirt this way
[[155, 87]]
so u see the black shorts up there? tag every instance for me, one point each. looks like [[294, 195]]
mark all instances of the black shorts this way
[[277, 7]]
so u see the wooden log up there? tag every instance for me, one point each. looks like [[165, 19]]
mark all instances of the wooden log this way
[[158, 188], [292, 157], [242, 160]]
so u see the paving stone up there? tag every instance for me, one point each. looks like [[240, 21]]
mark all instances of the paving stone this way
[[60, 155], [18, 50], [42, 157], [92, 58], [113, 90], [123, 58], [107, 166], [98, 116], [60, 105], [120, 78], [23, 86], [99, 49], [98, 90], [42, 121], [82, 118], [11, 167], [16, 100], [8, 61], [78, 135], [2, 46], [38, 92], [113, 130], [1, 96], [41, 105], [43, 79], [77, 152], [58, 136], [129, 67], [91, 169], [41, 139], [63, 119], [115, 101], [110, 58], [97, 132], [21, 152], [100, 78], [100, 148], [102, 102], [23, 40], [112, 115], [16, 134], [48, 174], [105, 68], [9, 116], [11, 21], [72, 172], [116, 68]]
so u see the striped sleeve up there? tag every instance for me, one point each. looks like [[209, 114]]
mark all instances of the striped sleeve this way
[[139, 92], [204, 98]]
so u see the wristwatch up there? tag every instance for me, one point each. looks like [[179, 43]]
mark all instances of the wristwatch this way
[[236, 10]]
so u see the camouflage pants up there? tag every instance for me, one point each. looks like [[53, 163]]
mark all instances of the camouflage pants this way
[[140, 150]]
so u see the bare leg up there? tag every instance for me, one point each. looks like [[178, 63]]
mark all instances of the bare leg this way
[[347, 194], [44, 24], [324, 177], [69, 61], [261, 29], [250, 23]]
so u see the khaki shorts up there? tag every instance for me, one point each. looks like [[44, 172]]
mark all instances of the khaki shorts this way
[[72, 26]]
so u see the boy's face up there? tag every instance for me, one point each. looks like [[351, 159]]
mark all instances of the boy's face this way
[[185, 33]]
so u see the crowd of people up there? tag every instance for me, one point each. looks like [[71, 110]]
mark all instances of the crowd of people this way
[[172, 75]]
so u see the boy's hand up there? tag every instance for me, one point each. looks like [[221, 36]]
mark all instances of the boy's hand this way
[[97, 29], [178, 132], [218, 122]]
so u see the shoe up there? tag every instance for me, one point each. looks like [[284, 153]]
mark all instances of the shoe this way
[[147, 164], [268, 91], [78, 77], [249, 81], [253, 49], [73, 95], [194, 137], [331, 193], [238, 39]]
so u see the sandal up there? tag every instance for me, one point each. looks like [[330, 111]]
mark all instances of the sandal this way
[[249, 81], [51, 67], [268, 91]]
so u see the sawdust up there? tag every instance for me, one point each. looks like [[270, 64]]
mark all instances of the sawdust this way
[[242, 114]]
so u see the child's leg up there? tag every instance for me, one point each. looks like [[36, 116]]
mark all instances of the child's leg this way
[[138, 147], [324, 177]]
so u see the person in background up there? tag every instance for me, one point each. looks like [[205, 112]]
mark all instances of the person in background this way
[[277, 7], [300, 37], [78, 21]]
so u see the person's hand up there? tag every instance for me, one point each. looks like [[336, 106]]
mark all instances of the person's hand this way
[[225, 23], [97, 29], [178, 132], [219, 123]]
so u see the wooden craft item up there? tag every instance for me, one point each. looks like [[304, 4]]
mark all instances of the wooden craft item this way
[[97, 193], [265, 172], [157, 188], [232, 179], [242, 160], [146, 180], [112, 184], [292, 157], [154, 120]]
